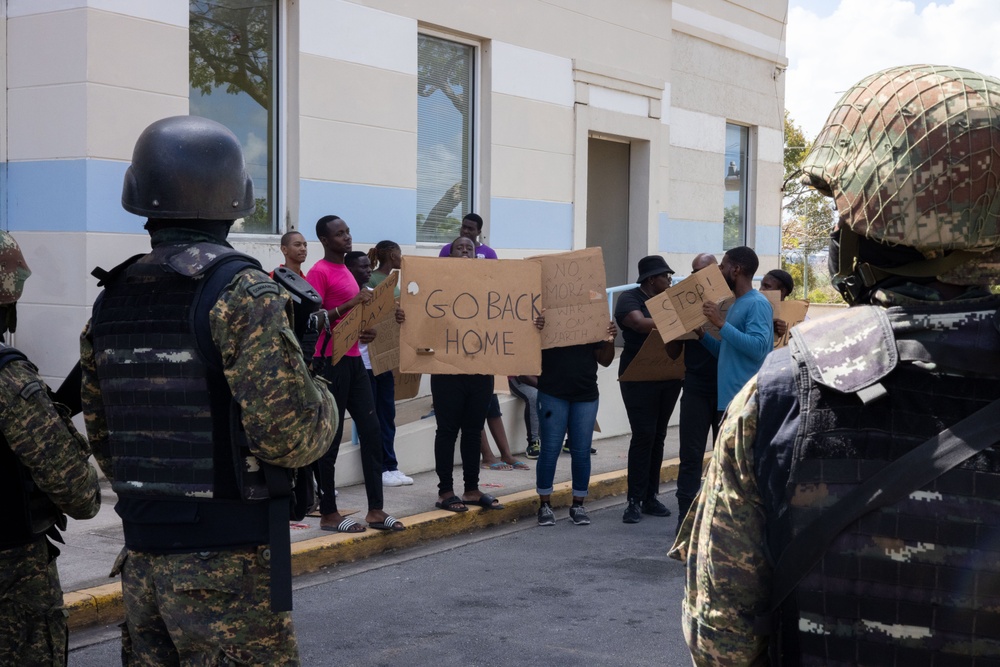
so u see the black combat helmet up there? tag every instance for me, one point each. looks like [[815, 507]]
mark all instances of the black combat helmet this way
[[188, 167]]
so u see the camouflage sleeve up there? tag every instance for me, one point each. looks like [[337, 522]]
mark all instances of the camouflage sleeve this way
[[722, 543], [289, 417], [45, 441], [93, 409]]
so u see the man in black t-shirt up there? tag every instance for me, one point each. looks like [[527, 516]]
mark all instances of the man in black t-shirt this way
[[648, 404]]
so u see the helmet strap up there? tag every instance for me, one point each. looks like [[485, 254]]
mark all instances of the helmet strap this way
[[855, 278]]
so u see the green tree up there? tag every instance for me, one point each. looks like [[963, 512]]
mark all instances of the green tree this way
[[807, 219]]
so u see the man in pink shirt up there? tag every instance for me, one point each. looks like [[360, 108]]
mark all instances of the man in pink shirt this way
[[348, 382]]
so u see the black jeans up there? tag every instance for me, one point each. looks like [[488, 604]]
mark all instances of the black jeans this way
[[460, 404], [351, 389], [649, 406], [384, 389], [698, 415]]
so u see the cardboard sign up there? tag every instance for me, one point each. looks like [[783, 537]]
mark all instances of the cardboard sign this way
[[407, 385], [366, 316], [792, 312], [574, 298], [501, 385], [678, 309], [470, 317], [652, 363], [383, 352]]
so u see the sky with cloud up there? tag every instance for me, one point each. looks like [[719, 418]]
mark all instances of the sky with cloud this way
[[833, 44]]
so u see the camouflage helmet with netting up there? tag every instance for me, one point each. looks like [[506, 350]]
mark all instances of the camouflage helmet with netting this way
[[911, 157], [13, 270]]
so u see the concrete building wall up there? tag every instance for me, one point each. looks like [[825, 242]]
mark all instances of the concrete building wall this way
[[83, 77]]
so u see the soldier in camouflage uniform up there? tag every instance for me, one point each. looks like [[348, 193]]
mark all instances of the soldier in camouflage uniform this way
[[44, 475], [194, 392], [911, 157]]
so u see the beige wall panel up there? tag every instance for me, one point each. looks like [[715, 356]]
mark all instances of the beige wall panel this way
[[637, 40], [696, 166], [724, 82], [50, 336], [119, 53], [47, 49], [47, 122], [351, 93], [352, 153], [117, 116], [59, 265], [522, 123], [765, 16], [696, 201], [528, 174]]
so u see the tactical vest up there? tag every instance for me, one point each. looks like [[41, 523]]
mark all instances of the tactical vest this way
[[917, 582], [28, 511], [181, 482]]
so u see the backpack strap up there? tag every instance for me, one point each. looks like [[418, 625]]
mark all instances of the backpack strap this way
[[910, 472]]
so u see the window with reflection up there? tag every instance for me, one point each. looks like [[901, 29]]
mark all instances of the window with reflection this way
[[232, 73], [445, 71], [734, 219]]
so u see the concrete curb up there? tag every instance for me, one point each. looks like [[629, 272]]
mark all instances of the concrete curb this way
[[102, 605]]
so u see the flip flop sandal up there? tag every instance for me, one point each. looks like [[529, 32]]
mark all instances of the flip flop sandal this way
[[499, 465], [486, 501], [453, 504], [390, 523], [520, 465], [346, 526]]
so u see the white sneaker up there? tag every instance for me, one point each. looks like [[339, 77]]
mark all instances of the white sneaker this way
[[389, 478], [406, 481]]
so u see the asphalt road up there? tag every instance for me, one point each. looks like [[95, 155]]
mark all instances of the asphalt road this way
[[517, 594]]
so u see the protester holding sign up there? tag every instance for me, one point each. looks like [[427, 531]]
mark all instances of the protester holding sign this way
[[472, 227], [384, 258], [781, 282], [698, 410], [461, 401], [383, 385], [348, 381], [567, 403], [746, 330], [648, 404]]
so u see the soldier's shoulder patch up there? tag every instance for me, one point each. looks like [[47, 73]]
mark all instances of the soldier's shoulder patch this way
[[258, 290], [30, 389]]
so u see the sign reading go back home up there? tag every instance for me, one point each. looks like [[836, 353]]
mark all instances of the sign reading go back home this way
[[470, 316], [677, 310]]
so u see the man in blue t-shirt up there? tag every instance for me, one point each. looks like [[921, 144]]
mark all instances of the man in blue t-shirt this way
[[746, 331]]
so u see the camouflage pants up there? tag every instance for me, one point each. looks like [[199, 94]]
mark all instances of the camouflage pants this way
[[201, 609], [32, 619]]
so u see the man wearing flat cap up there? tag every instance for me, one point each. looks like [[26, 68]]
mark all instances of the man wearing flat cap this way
[[648, 404]]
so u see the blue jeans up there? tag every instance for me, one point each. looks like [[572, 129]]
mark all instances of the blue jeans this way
[[384, 388], [555, 417]]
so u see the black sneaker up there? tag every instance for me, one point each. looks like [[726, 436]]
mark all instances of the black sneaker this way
[[632, 513], [533, 449], [578, 515], [654, 507], [546, 517]]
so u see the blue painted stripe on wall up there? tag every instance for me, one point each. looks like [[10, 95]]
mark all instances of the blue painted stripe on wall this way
[[373, 213], [68, 196], [768, 240], [689, 236], [530, 223]]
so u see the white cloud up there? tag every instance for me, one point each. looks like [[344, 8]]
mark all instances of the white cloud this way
[[828, 55]]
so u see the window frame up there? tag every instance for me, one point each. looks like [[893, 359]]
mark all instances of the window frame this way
[[475, 183], [747, 135], [278, 151]]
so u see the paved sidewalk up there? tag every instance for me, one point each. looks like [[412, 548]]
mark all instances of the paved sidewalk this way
[[91, 546]]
